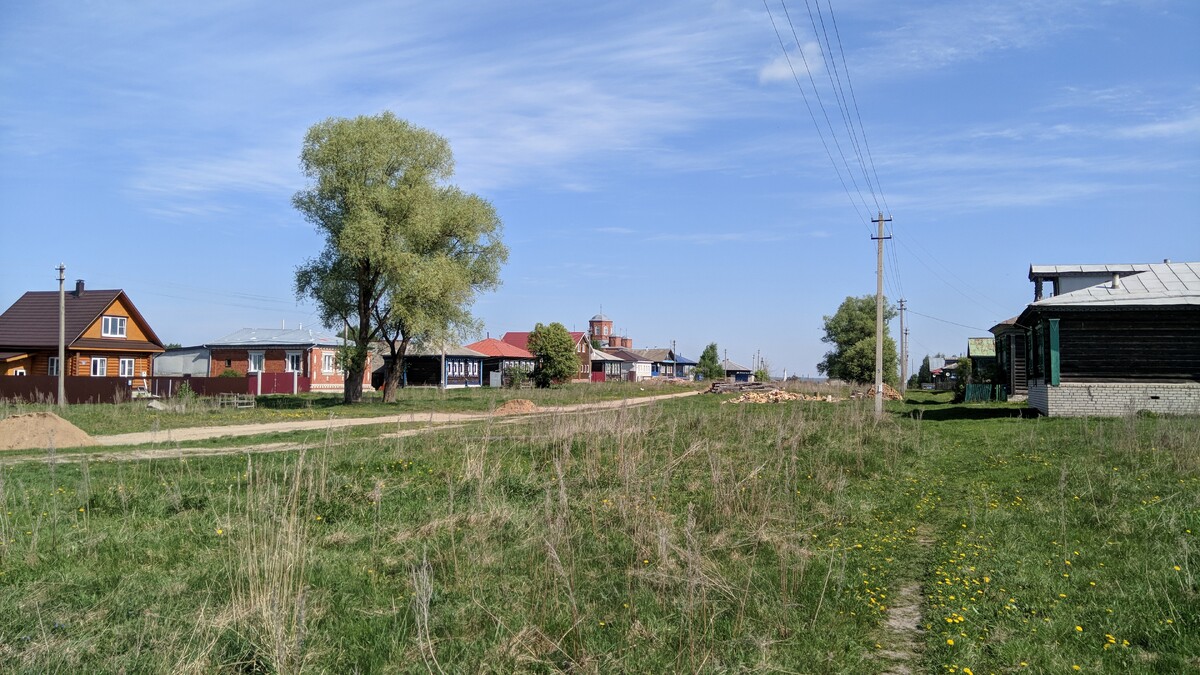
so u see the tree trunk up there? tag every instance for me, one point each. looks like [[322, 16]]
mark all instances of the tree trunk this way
[[352, 391], [395, 369]]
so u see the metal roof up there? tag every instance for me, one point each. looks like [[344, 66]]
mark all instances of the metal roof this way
[[600, 317], [450, 350], [493, 347], [598, 355], [1158, 284], [731, 366], [276, 337], [1036, 271]]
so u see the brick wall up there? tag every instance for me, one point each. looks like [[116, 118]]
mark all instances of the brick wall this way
[[1113, 399]]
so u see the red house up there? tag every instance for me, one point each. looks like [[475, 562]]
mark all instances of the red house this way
[[583, 349]]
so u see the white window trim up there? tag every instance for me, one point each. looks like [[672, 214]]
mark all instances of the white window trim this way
[[262, 356], [52, 366], [103, 361], [113, 326], [328, 363], [287, 364], [121, 364]]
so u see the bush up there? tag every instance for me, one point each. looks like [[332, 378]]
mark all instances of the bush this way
[[230, 372]]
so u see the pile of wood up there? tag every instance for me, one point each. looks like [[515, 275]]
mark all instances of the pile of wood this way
[[777, 396], [736, 387], [889, 393]]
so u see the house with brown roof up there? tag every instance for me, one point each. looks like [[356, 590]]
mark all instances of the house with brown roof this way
[[104, 333], [500, 357], [583, 349]]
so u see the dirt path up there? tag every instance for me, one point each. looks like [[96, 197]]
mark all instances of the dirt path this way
[[202, 433], [902, 641], [436, 422]]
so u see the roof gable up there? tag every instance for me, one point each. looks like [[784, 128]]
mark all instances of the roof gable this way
[[493, 347], [32, 321]]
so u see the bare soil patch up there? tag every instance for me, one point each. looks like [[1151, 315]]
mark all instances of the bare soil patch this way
[[517, 406], [40, 430]]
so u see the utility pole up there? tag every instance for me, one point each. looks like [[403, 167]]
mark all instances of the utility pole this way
[[903, 351], [62, 339], [879, 316]]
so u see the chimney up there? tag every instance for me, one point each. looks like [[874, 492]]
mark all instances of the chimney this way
[[1116, 282], [1166, 261], [78, 287]]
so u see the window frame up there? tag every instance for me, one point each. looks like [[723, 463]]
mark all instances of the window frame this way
[[103, 360], [260, 357], [122, 363], [112, 325], [52, 366], [287, 363], [328, 363]]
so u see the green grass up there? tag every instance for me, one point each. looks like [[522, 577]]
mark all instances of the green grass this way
[[687, 536], [135, 416]]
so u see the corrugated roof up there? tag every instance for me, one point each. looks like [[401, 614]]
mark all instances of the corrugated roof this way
[[1073, 270], [450, 350], [494, 347], [730, 365], [32, 321], [275, 337], [598, 355], [1158, 284], [655, 355], [628, 354], [521, 338]]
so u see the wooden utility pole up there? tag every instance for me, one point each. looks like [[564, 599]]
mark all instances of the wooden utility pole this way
[[903, 351], [62, 339], [879, 316]]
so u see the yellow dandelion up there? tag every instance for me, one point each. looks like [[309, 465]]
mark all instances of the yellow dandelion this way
[[950, 641], [1079, 629]]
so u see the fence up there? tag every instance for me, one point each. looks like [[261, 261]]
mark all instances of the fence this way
[[43, 388], [985, 392]]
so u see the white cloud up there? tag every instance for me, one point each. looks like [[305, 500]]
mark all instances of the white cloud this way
[[793, 65]]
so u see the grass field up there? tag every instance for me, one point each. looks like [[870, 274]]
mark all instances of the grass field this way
[[135, 416], [688, 536]]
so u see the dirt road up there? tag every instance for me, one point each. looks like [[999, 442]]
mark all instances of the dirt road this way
[[432, 419]]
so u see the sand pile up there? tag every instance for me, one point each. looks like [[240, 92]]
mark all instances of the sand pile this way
[[517, 406], [38, 430]]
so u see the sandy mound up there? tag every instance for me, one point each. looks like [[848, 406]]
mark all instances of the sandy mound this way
[[517, 406], [777, 396], [39, 430]]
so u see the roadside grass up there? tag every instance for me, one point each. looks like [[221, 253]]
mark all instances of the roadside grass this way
[[135, 416], [683, 536]]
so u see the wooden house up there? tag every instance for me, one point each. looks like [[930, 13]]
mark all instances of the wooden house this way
[[1010, 357], [667, 362], [735, 372], [583, 349], [634, 367], [499, 358], [104, 334], [606, 367], [1131, 343], [453, 367]]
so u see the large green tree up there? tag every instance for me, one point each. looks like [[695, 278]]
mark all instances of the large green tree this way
[[555, 352], [851, 331], [709, 366], [405, 252]]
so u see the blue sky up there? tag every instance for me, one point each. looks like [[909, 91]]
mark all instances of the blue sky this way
[[656, 159]]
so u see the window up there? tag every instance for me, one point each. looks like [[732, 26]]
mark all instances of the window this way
[[294, 362], [99, 367], [52, 367], [256, 362], [328, 362], [19, 372], [112, 326], [126, 368]]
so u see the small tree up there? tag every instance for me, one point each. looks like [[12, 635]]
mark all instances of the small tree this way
[[555, 352], [763, 373], [965, 376], [925, 374], [851, 330], [709, 366]]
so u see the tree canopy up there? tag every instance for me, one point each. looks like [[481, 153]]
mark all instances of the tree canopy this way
[[555, 352], [709, 366], [851, 331], [405, 253]]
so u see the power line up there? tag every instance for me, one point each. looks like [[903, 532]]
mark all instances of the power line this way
[[961, 325]]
